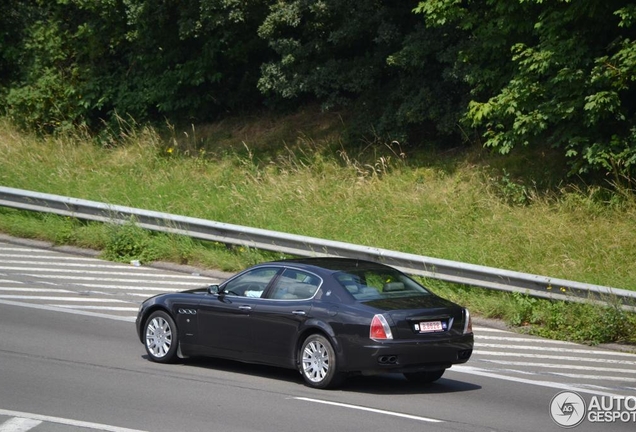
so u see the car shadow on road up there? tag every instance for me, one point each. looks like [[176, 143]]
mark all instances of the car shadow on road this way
[[385, 384], [388, 384]]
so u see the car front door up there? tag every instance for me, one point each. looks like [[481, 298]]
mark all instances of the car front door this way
[[225, 318]]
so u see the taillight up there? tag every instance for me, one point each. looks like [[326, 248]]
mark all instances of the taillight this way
[[380, 329], [468, 323]]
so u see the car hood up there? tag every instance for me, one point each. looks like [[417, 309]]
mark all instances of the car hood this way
[[200, 290]]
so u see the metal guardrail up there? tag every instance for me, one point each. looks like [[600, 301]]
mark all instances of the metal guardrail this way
[[449, 271]]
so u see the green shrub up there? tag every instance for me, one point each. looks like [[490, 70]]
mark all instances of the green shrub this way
[[129, 242]]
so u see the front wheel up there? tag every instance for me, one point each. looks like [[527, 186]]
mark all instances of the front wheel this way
[[160, 337], [425, 377], [318, 364]]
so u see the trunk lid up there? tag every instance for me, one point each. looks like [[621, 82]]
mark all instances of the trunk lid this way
[[426, 316]]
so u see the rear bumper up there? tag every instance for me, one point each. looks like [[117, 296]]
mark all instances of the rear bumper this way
[[371, 357]]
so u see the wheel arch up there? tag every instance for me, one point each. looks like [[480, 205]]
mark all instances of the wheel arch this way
[[146, 314], [318, 327]]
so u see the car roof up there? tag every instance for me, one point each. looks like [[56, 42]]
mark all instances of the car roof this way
[[333, 264]]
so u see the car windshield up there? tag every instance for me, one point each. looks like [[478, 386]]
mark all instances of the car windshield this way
[[378, 283]]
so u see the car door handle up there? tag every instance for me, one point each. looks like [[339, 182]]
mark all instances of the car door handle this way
[[299, 312], [245, 308]]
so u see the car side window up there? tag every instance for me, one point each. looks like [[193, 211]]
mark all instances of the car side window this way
[[252, 283], [295, 285]]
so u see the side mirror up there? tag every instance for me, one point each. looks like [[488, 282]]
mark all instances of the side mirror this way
[[213, 289]]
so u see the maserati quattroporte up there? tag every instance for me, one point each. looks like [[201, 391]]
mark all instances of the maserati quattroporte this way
[[326, 317]]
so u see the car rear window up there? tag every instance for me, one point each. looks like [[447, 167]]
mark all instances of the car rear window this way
[[366, 284]]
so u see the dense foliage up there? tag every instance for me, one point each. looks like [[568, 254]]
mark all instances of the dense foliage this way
[[559, 72], [88, 61], [506, 73]]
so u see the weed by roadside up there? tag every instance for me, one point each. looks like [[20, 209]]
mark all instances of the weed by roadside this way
[[129, 242], [584, 322]]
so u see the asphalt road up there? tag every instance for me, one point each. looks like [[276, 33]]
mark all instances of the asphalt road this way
[[70, 360]]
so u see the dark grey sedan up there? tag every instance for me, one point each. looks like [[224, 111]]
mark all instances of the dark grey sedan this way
[[326, 317]]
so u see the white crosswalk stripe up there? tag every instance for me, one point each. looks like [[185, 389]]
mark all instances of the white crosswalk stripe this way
[[552, 357], [555, 349], [103, 308], [34, 290], [77, 283], [93, 276], [550, 362]]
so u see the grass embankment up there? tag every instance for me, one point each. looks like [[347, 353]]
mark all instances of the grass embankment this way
[[464, 206]]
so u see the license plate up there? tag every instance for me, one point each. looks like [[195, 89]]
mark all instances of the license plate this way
[[429, 326]]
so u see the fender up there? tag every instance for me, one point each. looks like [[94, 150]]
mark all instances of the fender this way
[[315, 325], [183, 313]]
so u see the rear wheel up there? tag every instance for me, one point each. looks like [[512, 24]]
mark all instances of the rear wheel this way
[[425, 377], [318, 364], [160, 337]]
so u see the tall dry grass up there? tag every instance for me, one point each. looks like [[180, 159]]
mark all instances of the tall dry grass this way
[[458, 209]]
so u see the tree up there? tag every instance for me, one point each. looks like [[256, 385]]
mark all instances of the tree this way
[[89, 62], [14, 17], [563, 76], [338, 52]]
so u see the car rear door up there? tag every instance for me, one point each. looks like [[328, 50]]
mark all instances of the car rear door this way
[[276, 320]]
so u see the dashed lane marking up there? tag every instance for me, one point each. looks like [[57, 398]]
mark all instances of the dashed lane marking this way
[[373, 410]]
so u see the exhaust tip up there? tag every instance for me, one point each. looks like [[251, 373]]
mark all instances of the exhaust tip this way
[[388, 359], [464, 354]]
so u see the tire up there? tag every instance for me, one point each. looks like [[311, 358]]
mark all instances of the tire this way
[[425, 377], [318, 364], [161, 338]]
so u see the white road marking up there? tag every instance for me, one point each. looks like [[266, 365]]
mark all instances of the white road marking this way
[[528, 339], [567, 375], [554, 357], [67, 422], [19, 424], [597, 387], [374, 410], [44, 290], [32, 251], [477, 329], [559, 366], [554, 349], [597, 377], [110, 308], [79, 278], [116, 287], [69, 262], [485, 373], [69, 311], [11, 248], [51, 256], [55, 298], [132, 287], [133, 272]]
